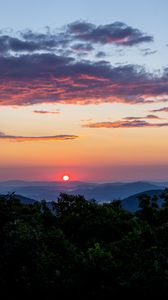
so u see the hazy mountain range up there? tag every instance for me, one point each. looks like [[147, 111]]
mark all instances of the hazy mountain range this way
[[29, 191], [101, 192]]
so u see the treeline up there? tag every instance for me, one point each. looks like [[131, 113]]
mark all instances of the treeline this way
[[83, 249]]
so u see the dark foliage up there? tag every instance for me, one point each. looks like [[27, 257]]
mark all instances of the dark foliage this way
[[83, 249]]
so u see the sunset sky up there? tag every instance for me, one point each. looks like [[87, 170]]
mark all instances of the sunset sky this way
[[84, 90]]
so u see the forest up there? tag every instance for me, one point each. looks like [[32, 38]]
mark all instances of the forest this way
[[79, 248]]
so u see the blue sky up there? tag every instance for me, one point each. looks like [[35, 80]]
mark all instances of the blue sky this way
[[148, 16]]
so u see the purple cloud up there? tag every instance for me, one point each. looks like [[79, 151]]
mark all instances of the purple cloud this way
[[49, 78], [117, 33], [53, 138], [142, 118], [163, 109], [124, 124], [72, 35], [43, 112], [17, 44]]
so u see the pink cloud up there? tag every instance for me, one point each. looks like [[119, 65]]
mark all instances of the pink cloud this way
[[124, 124], [48, 78]]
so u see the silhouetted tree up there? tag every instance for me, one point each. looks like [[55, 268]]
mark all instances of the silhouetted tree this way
[[79, 248], [164, 196]]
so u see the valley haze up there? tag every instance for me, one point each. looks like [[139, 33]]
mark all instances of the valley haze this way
[[101, 192]]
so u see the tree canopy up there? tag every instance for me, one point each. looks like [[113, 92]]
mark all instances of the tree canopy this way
[[74, 247]]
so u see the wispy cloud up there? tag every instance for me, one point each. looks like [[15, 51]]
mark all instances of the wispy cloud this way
[[163, 109], [148, 51], [124, 124], [142, 118], [43, 112], [82, 47], [53, 138]]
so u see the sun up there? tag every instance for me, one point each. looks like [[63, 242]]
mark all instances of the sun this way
[[65, 178]]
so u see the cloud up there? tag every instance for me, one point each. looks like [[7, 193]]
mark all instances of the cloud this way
[[100, 54], [83, 47], [71, 36], [148, 51], [49, 78], [142, 118], [164, 109], [124, 124], [56, 112], [117, 33], [37, 43], [48, 67], [152, 117], [53, 138]]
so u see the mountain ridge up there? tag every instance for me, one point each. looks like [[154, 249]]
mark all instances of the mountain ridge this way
[[101, 192]]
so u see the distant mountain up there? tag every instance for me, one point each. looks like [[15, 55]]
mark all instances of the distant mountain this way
[[110, 191], [101, 192], [160, 183], [23, 200], [131, 203]]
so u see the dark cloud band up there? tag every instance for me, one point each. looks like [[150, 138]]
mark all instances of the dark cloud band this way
[[124, 124], [46, 112], [53, 138], [163, 109], [72, 35], [49, 78], [117, 33], [141, 118]]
